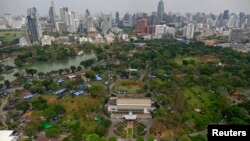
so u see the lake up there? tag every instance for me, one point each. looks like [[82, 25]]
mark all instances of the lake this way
[[46, 66]]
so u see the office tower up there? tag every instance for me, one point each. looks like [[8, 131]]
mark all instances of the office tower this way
[[160, 11], [141, 27], [248, 20], [106, 23], [226, 15], [81, 28], [154, 18], [33, 28], [127, 20], [189, 31], [242, 18], [87, 13], [52, 16], [117, 19]]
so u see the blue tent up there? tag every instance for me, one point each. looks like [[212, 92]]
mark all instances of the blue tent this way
[[98, 78], [29, 96], [60, 81], [79, 92], [60, 91]]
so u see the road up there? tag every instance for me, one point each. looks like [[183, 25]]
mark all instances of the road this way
[[2, 113], [204, 132], [15, 45]]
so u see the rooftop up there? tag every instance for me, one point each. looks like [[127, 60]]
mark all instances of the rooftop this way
[[6, 135], [133, 101]]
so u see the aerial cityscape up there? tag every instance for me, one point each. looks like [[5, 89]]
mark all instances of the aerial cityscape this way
[[118, 75]]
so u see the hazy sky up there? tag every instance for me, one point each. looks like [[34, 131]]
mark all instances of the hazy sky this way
[[17, 7]]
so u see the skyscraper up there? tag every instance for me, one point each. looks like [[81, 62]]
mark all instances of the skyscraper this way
[[242, 18], [117, 19], [153, 18], [106, 23], [127, 20], [160, 11], [52, 16], [69, 19], [33, 28], [226, 15], [248, 20]]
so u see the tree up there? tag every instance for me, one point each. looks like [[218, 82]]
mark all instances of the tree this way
[[53, 132], [31, 129], [40, 74], [39, 103], [184, 138], [24, 105], [139, 138], [237, 115], [31, 72], [17, 74], [90, 74], [94, 137], [198, 138], [87, 63], [7, 83], [112, 139], [73, 68], [67, 70], [79, 68], [60, 71], [150, 138]]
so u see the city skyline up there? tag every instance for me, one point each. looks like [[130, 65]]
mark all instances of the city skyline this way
[[125, 6]]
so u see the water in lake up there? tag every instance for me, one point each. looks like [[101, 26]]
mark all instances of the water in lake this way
[[46, 66]]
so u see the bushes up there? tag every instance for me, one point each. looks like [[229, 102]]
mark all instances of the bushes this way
[[53, 132]]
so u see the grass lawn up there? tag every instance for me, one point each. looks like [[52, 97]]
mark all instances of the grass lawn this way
[[129, 86], [80, 109], [120, 129], [83, 106], [209, 104], [9, 36], [209, 58], [198, 59], [178, 60], [130, 132], [139, 129]]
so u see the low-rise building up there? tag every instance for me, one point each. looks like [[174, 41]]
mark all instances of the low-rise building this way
[[7, 135], [130, 108]]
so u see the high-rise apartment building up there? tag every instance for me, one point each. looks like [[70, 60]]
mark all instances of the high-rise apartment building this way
[[189, 31], [69, 19]]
